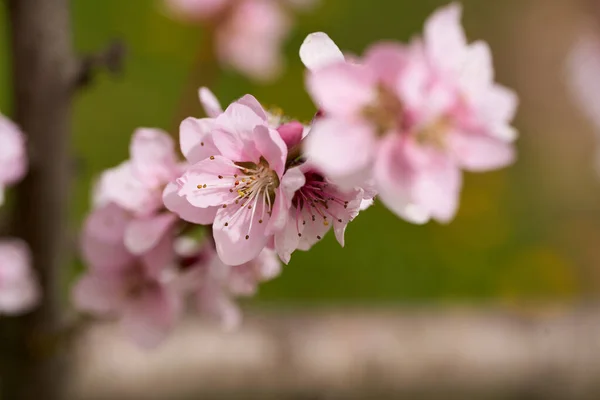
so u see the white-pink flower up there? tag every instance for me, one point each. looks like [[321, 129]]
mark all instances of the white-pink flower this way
[[19, 289], [410, 118], [135, 288], [13, 158], [317, 206], [244, 181]]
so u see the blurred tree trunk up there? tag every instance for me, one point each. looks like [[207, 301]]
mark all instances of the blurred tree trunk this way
[[44, 75]]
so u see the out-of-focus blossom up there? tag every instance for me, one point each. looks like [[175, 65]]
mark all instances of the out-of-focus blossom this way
[[244, 181], [19, 289], [135, 288], [137, 184], [13, 158], [316, 207], [583, 66], [251, 39], [215, 285], [410, 118], [249, 34]]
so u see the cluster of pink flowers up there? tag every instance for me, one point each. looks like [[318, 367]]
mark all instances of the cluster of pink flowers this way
[[400, 123], [248, 33], [143, 263], [19, 291], [408, 119]]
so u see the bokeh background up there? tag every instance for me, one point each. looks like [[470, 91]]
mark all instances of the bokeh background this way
[[525, 234]]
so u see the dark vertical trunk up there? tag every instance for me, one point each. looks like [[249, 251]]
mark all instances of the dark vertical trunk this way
[[44, 70]]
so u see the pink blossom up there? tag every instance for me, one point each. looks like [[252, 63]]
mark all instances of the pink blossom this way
[[19, 289], [216, 285], [316, 207], [411, 118], [137, 184], [13, 158], [251, 38], [244, 181], [135, 288]]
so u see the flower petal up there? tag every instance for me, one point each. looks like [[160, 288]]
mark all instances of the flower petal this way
[[182, 207], [318, 51], [342, 89], [209, 102], [478, 153], [395, 180], [143, 234], [149, 318], [202, 186], [239, 236], [271, 147], [340, 148], [196, 140], [153, 156]]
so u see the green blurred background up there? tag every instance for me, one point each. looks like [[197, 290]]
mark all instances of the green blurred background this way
[[514, 240]]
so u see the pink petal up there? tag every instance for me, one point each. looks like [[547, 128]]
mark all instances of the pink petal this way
[[102, 242], [340, 148], [180, 206], [243, 238], [445, 38], [477, 72], [478, 153], [291, 133], [287, 239], [342, 89], [292, 181], [143, 234], [19, 288], [149, 318], [153, 156], [121, 186], [207, 172], [271, 147], [250, 101], [13, 157], [98, 294], [395, 180], [437, 186], [387, 59], [269, 265], [318, 51], [211, 104], [159, 259], [233, 136], [196, 140]]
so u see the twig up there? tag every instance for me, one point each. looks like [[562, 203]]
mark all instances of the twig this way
[[110, 59]]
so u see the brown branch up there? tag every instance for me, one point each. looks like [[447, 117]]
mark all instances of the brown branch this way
[[44, 71], [368, 354], [110, 59]]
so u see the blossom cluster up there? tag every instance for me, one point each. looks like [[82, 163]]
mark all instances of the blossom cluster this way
[[399, 123], [19, 291], [248, 34]]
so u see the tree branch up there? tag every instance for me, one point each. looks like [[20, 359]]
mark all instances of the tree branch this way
[[44, 71]]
